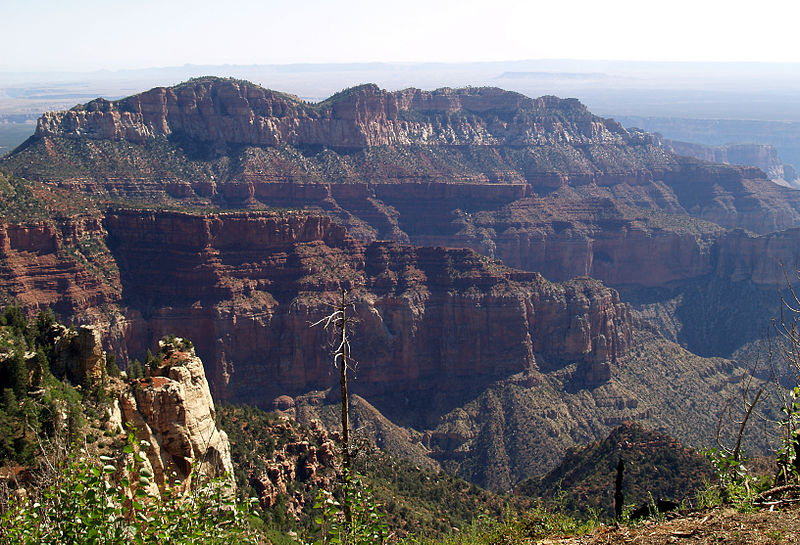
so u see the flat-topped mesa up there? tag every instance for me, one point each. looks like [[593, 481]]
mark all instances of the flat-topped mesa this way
[[238, 112]]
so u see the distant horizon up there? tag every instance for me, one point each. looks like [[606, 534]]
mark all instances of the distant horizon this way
[[53, 35], [367, 64]]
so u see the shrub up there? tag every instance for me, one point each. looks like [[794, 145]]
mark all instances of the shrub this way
[[84, 503]]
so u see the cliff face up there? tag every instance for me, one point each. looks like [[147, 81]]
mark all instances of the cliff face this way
[[762, 156], [79, 355], [59, 264], [249, 286], [173, 410], [246, 285], [233, 112]]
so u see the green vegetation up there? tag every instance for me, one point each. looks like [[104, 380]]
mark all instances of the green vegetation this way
[[84, 483], [22, 201], [533, 524], [83, 501], [655, 465], [414, 501], [34, 403]]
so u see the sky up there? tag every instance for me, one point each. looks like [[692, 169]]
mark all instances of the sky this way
[[43, 35]]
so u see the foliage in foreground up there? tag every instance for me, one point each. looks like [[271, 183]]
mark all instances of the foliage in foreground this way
[[84, 501], [365, 526], [536, 523]]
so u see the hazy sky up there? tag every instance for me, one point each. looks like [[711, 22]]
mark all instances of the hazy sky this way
[[116, 34]]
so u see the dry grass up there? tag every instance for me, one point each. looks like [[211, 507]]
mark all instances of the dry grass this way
[[717, 526]]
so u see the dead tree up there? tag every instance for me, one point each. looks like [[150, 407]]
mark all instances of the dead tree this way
[[337, 322]]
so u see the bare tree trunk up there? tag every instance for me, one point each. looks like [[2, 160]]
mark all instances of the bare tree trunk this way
[[345, 355]]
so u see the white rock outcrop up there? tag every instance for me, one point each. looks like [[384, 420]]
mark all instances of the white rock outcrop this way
[[172, 409]]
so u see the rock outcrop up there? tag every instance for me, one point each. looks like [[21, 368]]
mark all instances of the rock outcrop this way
[[173, 411], [79, 354], [247, 286], [762, 156]]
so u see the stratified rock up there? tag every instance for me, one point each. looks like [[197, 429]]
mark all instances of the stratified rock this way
[[173, 410], [238, 112], [247, 287], [45, 264], [762, 156]]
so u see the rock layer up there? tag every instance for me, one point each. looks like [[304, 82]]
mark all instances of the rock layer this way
[[237, 112], [58, 264], [173, 411], [247, 286]]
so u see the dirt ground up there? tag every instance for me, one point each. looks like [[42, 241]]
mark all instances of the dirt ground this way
[[720, 526]]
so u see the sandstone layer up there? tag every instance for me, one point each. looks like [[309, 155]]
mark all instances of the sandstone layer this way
[[63, 265], [248, 286], [173, 411]]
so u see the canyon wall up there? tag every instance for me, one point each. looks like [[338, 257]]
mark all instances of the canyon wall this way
[[247, 287], [762, 156], [63, 265]]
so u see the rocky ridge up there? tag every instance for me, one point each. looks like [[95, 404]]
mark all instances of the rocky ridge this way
[[656, 466], [238, 112], [762, 156], [364, 154]]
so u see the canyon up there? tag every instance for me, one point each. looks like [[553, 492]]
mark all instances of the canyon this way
[[520, 268]]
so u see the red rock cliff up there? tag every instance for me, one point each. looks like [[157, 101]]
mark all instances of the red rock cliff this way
[[58, 264], [246, 288], [217, 110]]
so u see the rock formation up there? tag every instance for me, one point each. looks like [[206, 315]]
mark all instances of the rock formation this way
[[237, 112], [402, 165], [395, 198], [247, 286], [173, 411], [62, 265], [762, 156], [79, 354]]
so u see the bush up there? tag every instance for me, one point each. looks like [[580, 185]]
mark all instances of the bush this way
[[83, 503]]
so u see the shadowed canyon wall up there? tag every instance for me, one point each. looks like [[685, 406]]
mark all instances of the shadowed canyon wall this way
[[247, 287]]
